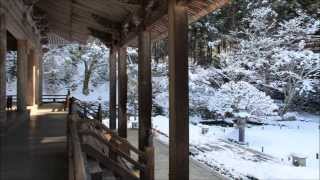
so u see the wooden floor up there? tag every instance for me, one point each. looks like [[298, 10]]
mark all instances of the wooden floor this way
[[197, 170], [35, 149]]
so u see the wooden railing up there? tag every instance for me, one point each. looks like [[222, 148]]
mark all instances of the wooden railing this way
[[76, 163], [86, 110], [105, 145], [47, 98]]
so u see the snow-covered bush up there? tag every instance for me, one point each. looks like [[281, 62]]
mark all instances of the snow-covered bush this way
[[241, 96], [160, 86]]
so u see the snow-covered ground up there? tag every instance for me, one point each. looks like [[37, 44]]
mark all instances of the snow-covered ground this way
[[279, 141], [99, 93]]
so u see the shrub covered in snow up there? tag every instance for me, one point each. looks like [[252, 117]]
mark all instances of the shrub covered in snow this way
[[242, 96]]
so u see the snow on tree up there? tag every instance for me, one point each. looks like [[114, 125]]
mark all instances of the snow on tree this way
[[272, 52], [202, 85], [295, 65], [235, 97], [132, 81], [251, 58], [68, 66], [160, 87], [56, 70], [11, 72], [11, 66], [93, 56]]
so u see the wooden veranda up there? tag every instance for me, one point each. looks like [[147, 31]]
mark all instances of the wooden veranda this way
[[27, 25]]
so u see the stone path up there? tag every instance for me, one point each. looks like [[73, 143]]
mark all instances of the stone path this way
[[197, 170]]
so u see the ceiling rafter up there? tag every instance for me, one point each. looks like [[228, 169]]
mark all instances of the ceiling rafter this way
[[102, 35], [106, 22], [133, 2]]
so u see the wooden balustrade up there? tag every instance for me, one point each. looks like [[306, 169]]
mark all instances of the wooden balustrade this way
[[105, 145]]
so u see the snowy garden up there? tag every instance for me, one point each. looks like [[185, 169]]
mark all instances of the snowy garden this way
[[254, 106]]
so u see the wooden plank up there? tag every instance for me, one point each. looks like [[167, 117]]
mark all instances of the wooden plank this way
[[22, 64], [3, 51], [178, 91], [113, 88], [122, 92]]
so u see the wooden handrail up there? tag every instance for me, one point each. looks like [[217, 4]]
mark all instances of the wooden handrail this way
[[95, 124], [77, 160], [122, 154], [97, 139]]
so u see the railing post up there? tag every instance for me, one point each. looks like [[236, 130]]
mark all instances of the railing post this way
[[149, 170], [99, 113], [71, 102], [67, 101]]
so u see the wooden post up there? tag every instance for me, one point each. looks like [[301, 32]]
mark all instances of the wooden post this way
[[149, 171], [145, 103], [22, 62], [37, 77], [30, 94], [3, 51], [178, 91], [40, 76], [113, 88], [66, 104], [99, 113], [122, 93], [145, 90], [71, 102]]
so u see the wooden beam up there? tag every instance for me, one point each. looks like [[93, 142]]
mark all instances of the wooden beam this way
[[3, 51], [122, 92], [22, 65], [113, 88], [178, 91]]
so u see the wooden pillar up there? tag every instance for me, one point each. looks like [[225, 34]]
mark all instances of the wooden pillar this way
[[3, 51], [144, 90], [37, 77], [113, 88], [145, 100], [40, 76], [178, 91], [30, 98], [122, 92], [22, 64]]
